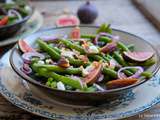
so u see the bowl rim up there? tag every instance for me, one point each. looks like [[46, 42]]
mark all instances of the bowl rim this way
[[33, 81], [21, 21]]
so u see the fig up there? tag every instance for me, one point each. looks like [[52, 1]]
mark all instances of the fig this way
[[137, 56], [93, 76], [67, 20], [87, 13], [110, 47], [121, 83], [24, 47], [75, 33]]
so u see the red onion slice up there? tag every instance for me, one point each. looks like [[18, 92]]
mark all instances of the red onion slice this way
[[95, 41], [113, 37], [49, 38], [121, 75], [13, 12], [65, 36], [100, 79], [113, 64], [29, 55], [26, 69], [99, 87]]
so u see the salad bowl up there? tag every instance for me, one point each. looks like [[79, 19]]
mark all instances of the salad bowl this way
[[80, 97], [10, 24]]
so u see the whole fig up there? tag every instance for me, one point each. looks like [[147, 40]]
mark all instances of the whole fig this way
[[87, 13]]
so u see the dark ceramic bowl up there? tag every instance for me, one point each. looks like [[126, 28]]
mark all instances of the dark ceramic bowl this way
[[10, 30], [81, 98]]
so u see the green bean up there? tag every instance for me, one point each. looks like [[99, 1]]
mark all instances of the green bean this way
[[44, 46], [75, 62], [56, 49], [23, 12], [122, 46], [49, 81], [102, 38], [55, 55], [88, 36], [147, 63], [53, 84], [111, 73], [133, 70], [106, 78], [12, 19], [131, 47], [65, 80], [128, 72], [147, 74], [73, 46], [90, 89], [57, 69], [96, 57], [106, 58], [119, 59]]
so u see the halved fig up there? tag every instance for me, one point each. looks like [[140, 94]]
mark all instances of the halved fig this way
[[75, 33], [110, 47], [92, 77], [121, 83], [24, 47], [138, 56], [67, 20], [87, 13]]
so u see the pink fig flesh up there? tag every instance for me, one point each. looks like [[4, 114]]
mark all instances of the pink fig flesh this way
[[92, 77], [138, 56], [67, 20], [24, 47]]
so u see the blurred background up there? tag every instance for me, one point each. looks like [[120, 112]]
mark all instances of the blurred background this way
[[136, 16]]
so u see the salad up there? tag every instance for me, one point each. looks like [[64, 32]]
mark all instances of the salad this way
[[13, 12], [85, 62]]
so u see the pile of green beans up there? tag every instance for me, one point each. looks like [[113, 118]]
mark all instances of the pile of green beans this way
[[79, 66]]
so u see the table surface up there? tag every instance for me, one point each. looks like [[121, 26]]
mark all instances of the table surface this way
[[120, 13]]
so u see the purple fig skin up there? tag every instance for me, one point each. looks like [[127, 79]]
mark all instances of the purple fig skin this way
[[137, 56], [87, 13], [109, 48]]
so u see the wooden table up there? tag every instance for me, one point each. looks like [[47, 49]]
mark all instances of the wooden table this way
[[120, 13]]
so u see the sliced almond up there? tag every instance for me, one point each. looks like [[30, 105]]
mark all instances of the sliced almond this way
[[63, 62]]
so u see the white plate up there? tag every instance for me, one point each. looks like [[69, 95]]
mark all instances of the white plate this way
[[17, 92]]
